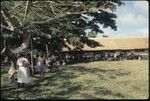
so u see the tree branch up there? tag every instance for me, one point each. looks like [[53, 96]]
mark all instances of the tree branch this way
[[4, 49], [58, 17], [8, 28], [15, 7], [51, 5], [20, 32], [7, 20], [12, 30], [17, 12], [19, 21], [25, 44], [26, 10], [45, 35]]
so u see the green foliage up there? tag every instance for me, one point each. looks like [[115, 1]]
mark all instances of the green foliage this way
[[91, 34], [59, 19]]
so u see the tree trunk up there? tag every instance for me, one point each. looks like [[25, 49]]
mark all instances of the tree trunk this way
[[32, 66], [11, 55], [12, 58], [13, 67], [25, 44]]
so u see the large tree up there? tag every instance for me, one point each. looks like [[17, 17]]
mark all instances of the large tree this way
[[50, 22]]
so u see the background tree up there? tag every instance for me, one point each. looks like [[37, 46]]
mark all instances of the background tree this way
[[50, 22], [105, 35], [91, 34]]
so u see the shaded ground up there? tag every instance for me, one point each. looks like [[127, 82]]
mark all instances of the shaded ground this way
[[95, 80]]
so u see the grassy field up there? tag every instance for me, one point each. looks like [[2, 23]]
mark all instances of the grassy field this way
[[94, 80]]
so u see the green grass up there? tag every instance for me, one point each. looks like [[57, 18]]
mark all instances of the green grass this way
[[94, 80]]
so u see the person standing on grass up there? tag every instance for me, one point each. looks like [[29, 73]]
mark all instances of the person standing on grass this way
[[22, 72], [41, 65]]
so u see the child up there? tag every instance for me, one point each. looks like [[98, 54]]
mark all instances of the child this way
[[40, 65]]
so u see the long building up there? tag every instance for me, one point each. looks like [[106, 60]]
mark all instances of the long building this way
[[115, 44], [110, 49]]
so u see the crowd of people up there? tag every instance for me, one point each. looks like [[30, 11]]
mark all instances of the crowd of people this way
[[43, 62]]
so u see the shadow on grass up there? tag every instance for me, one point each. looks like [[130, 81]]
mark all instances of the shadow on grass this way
[[99, 71], [105, 91], [62, 80]]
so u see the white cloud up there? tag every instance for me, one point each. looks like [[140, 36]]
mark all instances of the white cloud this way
[[130, 19], [142, 6]]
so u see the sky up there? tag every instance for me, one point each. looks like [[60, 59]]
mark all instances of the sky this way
[[132, 20]]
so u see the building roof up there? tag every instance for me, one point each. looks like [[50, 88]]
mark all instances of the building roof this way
[[115, 44]]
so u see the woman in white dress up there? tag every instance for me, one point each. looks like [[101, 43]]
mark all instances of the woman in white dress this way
[[23, 76]]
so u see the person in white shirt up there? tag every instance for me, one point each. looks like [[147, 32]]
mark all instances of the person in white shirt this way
[[22, 72]]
